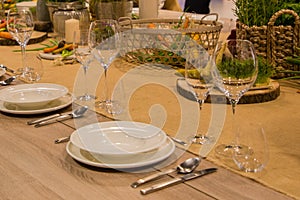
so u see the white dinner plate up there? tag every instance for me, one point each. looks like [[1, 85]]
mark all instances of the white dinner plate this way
[[32, 96], [138, 160], [50, 56], [2, 71], [52, 106], [118, 138]]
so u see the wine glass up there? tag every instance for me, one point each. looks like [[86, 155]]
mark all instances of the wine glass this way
[[20, 25], [199, 79], [82, 51], [34, 68], [104, 37], [234, 72], [253, 137]]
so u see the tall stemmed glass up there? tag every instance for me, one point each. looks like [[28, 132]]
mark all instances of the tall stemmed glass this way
[[20, 25], [199, 79], [104, 37], [234, 72], [82, 51]]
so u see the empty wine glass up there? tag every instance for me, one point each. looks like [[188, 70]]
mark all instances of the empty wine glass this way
[[20, 25], [199, 79], [82, 51], [104, 37], [234, 72], [34, 68]]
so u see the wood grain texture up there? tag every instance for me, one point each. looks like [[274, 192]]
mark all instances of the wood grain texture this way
[[33, 167]]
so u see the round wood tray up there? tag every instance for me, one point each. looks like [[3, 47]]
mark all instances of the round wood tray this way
[[36, 37], [254, 95]]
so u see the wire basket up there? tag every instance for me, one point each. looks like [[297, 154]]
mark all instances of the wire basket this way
[[162, 40]]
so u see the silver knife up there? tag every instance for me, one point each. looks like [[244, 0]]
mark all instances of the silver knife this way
[[181, 179], [7, 69], [36, 121], [74, 114]]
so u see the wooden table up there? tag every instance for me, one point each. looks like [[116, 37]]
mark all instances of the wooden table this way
[[33, 167]]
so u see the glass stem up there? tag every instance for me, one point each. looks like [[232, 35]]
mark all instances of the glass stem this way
[[23, 56], [106, 85], [200, 103], [85, 68]]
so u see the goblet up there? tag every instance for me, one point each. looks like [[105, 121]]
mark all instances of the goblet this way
[[104, 37], [234, 71], [34, 68], [82, 51], [199, 80], [20, 25]]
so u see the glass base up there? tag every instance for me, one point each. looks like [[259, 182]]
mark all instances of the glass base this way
[[86, 97], [110, 106], [202, 139], [227, 150]]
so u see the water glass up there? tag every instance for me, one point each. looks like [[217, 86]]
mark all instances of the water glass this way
[[251, 151], [34, 69]]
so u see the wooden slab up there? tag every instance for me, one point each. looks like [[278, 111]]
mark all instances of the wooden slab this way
[[36, 37], [254, 95]]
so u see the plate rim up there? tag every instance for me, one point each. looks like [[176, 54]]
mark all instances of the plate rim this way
[[32, 86], [39, 111], [113, 123], [144, 163]]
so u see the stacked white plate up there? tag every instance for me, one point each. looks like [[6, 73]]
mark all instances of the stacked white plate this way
[[119, 144], [33, 98]]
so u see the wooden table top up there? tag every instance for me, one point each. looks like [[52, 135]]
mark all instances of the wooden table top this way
[[33, 167]]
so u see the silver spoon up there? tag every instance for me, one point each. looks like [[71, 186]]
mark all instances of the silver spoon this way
[[185, 167], [8, 81], [75, 114]]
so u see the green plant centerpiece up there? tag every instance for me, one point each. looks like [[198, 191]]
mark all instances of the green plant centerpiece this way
[[273, 28]]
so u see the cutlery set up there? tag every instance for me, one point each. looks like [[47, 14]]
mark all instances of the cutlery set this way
[[187, 167], [9, 80], [58, 117]]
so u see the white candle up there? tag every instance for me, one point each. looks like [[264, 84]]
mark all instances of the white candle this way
[[71, 25], [148, 8]]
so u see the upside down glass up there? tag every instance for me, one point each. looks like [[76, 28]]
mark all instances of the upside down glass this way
[[234, 72]]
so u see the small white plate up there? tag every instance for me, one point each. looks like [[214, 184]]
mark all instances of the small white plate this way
[[52, 106], [32, 96], [138, 160], [118, 138], [2, 72], [49, 56]]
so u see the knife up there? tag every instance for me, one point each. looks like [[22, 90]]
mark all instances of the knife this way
[[181, 179], [7, 69], [36, 121], [75, 114]]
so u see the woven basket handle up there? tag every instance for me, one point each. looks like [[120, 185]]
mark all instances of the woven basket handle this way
[[210, 14], [281, 12], [125, 21]]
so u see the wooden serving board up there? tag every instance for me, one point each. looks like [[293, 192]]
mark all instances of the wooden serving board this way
[[36, 37], [254, 95]]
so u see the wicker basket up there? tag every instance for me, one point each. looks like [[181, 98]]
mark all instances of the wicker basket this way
[[274, 42], [141, 48]]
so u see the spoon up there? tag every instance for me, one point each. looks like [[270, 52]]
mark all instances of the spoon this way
[[75, 114], [184, 168], [8, 81]]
